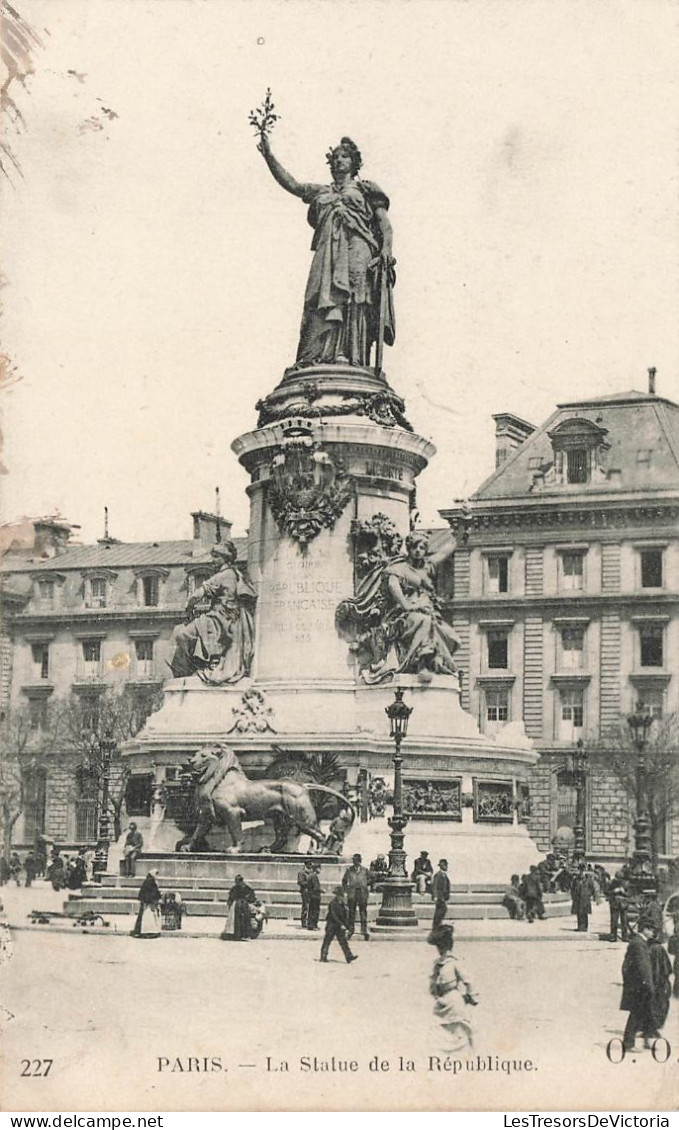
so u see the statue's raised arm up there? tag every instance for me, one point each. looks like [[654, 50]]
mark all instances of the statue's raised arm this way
[[284, 178], [348, 303]]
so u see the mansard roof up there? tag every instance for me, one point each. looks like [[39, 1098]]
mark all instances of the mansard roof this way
[[642, 436], [119, 555]]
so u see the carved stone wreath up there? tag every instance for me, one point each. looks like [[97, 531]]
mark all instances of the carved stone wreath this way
[[385, 408]]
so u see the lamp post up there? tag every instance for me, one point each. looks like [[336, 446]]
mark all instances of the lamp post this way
[[639, 727], [397, 890], [106, 747], [580, 778]]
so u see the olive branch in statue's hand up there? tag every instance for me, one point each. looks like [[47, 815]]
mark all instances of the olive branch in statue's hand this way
[[263, 118]]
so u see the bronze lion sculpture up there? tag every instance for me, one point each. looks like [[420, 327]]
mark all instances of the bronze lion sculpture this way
[[224, 796]]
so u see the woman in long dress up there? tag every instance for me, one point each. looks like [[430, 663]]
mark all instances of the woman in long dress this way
[[453, 994], [148, 918], [352, 248], [238, 926]]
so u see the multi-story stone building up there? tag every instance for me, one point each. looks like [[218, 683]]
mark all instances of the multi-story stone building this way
[[566, 594], [82, 619]]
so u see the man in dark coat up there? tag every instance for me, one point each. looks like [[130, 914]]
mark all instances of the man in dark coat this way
[[422, 873], [336, 926], [303, 884], [618, 902], [582, 893], [531, 893], [440, 893], [637, 988], [356, 882], [134, 842], [149, 897], [314, 892]]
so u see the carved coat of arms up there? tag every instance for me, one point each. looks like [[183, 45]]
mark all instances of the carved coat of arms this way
[[307, 490]]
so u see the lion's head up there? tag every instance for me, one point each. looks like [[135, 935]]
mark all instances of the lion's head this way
[[212, 759]]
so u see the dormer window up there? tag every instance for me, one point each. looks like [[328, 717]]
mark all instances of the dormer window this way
[[98, 588], [44, 593], [580, 451], [149, 586], [577, 465]]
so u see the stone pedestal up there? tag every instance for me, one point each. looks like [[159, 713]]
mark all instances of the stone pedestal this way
[[343, 429]]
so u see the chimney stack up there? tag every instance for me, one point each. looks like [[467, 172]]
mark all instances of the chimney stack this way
[[208, 530], [510, 433], [651, 381]]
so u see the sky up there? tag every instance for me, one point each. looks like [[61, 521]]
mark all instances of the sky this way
[[154, 272]]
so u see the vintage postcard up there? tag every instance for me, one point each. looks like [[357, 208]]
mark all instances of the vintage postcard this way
[[339, 557]]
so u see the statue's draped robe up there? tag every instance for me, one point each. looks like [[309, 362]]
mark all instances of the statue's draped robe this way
[[404, 640], [220, 642], [342, 301]]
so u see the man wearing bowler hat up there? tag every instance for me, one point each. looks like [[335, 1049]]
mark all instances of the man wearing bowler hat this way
[[356, 882]]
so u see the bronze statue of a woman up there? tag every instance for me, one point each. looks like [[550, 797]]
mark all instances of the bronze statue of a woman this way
[[348, 301]]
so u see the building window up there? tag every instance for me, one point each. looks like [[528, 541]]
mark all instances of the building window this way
[[498, 649], [97, 592], [651, 646], [571, 714], [651, 568], [150, 591], [45, 592], [651, 700], [91, 658], [497, 573], [497, 709], [90, 710], [577, 460], [40, 655], [572, 571], [572, 649], [35, 805], [37, 713], [144, 654]]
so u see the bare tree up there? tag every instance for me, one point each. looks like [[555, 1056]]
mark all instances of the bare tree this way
[[617, 753], [85, 724], [27, 747]]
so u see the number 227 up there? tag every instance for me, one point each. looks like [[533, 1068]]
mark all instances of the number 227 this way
[[36, 1068]]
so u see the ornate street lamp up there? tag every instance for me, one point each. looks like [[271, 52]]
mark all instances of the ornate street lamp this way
[[397, 890], [639, 727], [580, 779], [106, 747]]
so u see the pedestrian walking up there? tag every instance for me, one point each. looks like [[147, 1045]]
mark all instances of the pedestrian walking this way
[[637, 989], [453, 994], [149, 908], [30, 867], [440, 893], [618, 903], [314, 892], [336, 926], [582, 892], [673, 950], [303, 883], [356, 882], [15, 868]]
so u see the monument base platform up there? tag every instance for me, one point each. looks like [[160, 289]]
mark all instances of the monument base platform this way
[[204, 881]]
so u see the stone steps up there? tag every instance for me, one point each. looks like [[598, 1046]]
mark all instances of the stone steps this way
[[276, 892]]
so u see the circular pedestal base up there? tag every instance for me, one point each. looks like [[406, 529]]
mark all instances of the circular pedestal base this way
[[397, 904]]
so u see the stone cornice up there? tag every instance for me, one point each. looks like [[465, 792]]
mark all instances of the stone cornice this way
[[566, 606], [532, 514], [97, 617]]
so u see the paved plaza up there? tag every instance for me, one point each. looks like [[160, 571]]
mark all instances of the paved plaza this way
[[197, 1023]]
